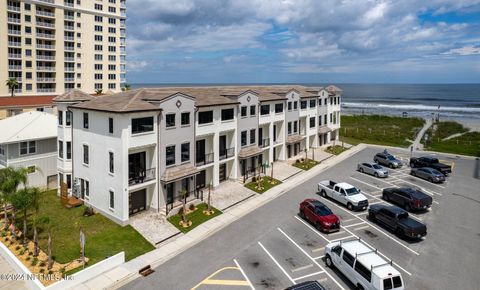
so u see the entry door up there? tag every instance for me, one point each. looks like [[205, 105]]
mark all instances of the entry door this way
[[137, 201], [223, 145], [260, 136], [289, 151], [223, 172], [200, 180], [274, 133], [136, 165], [274, 153], [200, 151], [244, 166]]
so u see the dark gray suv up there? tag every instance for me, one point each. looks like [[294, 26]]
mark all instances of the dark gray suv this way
[[387, 159]]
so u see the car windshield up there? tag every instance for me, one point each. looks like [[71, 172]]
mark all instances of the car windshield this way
[[403, 215], [435, 172], [390, 157], [321, 210], [351, 191], [376, 166]]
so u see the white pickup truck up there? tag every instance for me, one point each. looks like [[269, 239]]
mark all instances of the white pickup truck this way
[[344, 193]]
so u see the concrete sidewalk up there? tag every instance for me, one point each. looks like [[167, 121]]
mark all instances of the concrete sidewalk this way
[[129, 270]]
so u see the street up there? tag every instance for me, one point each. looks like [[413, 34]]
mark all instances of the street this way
[[273, 248]]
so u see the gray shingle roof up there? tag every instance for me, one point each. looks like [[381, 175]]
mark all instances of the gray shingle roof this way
[[74, 95]]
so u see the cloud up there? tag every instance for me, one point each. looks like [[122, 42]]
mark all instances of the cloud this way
[[466, 50]]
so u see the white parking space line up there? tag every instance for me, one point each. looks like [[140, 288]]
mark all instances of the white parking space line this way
[[361, 223], [301, 268], [435, 202], [275, 261], [368, 184], [320, 257], [341, 239], [425, 181], [361, 228], [375, 202], [313, 229], [309, 275], [318, 249], [380, 253], [244, 275], [426, 191], [349, 220], [336, 233], [314, 261]]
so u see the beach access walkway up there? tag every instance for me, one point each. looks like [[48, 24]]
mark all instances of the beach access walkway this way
[[417, 145]]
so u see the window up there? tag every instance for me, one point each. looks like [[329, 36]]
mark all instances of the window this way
[[85, 120], [69, 181], [60, 117], [264, 109], [325, 119], [313, 103], [2, 150], [243, 137], [68, 118], [87, 188], [278, 108], [387, 284], [170, 155], [295, 126], [28, 63], [243, 111], [319, 120], [141, 125], [227, 114], [112, 199], [205, 117], [29, 147], [85, 154], [325, 101], [348, 258], [289, 128], [303, 105], [295, 105], [289, 106], [111, 162], [397, 282], [331, 117], [185, 152], [252, 136], [110, 125], [312, 122], [253, 109], [185, 118], [170, 120], [60, 149], [363, 271], [337, 250], [69, 150]]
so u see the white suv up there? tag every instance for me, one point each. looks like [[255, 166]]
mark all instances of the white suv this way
[[363, 266]]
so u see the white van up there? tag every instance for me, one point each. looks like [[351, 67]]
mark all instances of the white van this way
[[361, 264]]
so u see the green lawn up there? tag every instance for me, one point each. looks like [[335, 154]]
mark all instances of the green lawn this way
[[307, 164], [197, 217], [265, 184], [335, 150], [103, 237], [466, 144], [382, 130]]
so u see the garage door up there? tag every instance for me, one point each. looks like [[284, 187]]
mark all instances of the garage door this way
[[137, 201]]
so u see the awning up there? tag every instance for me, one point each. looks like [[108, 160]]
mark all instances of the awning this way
[[179, 172], [249, 152], [294, 139], [324, 129]]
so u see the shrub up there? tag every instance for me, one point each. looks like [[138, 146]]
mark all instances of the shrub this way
[[50, 272], [62, 270], [191, 207], [34, 261], [30, 253], [42, 264], [254, 179], [6, 239], [22, 252], [42, 270], [88, 211], [17, 248], [27, 258], [4, 233]]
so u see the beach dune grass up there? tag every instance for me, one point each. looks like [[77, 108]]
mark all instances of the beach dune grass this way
[[378, 129], [103, 237], [468, 143]]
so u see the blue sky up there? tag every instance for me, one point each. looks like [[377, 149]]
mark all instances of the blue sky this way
[[303, 41]]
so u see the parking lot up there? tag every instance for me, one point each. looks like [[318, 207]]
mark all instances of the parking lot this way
[[274, 248]]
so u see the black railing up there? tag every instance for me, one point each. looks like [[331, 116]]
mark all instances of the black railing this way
[[227, 153], [140, 176], [189, 197], [205, 159], [265, 143]]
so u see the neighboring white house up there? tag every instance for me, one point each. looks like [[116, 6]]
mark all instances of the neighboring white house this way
[[30, 140], [140, 149]]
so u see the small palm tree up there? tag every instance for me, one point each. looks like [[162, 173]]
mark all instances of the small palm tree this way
[[126, 87], [12, 84], [10, 179], [98, 92], [21, 201]]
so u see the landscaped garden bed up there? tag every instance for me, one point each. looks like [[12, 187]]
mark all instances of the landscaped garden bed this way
[[195, 216], [262, 185], [335, 150], [305, 164]]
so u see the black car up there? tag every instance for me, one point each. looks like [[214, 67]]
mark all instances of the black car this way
[[397, 220], [408, 198], [431, 162], [309, 285]]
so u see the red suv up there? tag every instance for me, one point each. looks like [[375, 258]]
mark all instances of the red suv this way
[[319, 215]]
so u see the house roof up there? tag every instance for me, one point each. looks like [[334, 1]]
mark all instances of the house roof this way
[[204, 96], [74, 95], [333, 89], [31, 125], [25, 101]]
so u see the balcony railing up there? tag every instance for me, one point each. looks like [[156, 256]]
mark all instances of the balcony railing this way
[[45, 46], [14, 55], [48, 1], [46, 80], [69, 48], [46, 68], [14, 32], [69, 80], [13, 20], [45, 13], [14, 43], [45, 90], [140, 176], [15, 67], [69, 38], [265, 143], [69, 4], [69, 68], [13, 8], [45, 24], [227, 153], [45, 35], [45, 57], [69, 27], [205, 159], [69, 58]]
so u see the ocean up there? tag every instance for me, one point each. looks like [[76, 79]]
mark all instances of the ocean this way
[[459, 102]]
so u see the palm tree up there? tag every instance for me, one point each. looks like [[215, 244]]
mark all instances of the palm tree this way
[[126, 87], [98, 92], [12, 84], [22, 200], [10, 179], [183, 194]]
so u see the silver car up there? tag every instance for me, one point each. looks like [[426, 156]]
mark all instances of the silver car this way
[[429, 174], [372, 169]]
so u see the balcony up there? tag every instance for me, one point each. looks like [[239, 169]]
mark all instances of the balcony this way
[[15, 55], [68, 4], [204, 159], [69, 48], [45, 35], [46, 80], [69, 68], [19, 79], [13, 20], [45, 46], [14, 43], [69, 27], [14, 67], [48, 1], [140, 176], [69, 80], [13, 8], [46, 68], [14, 32], [264, 143], [45, 57], [227, 153], [69, 59], [69, 38], [69, 17], [45, 90], [45, 13], [45, 24]]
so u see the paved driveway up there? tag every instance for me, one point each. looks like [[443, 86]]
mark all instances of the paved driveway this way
[[6, 269]]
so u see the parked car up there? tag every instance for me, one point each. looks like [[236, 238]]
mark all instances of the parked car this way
[[363, 266], [408, 198], [372, 169], [429, 174], [431, 162], [308, 285], [319, 215], [387, 159], [397, 220], [344, 193]]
